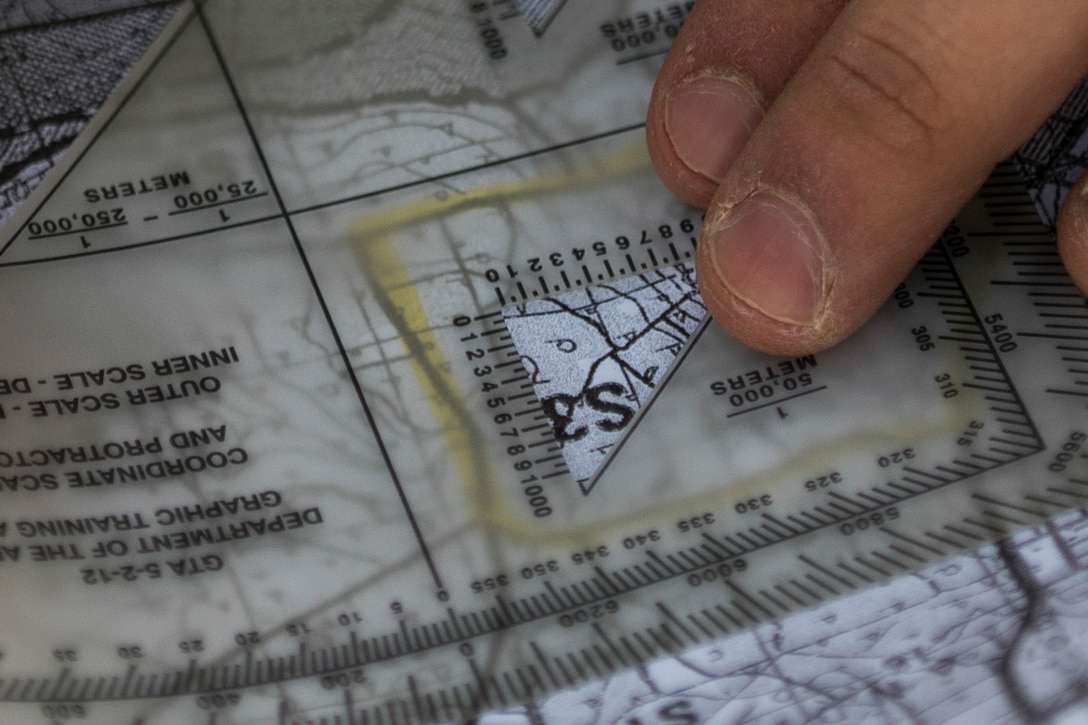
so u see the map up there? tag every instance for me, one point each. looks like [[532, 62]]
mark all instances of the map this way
[[595, 356], [995, 635]]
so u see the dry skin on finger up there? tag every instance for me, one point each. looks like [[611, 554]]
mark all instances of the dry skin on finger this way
[[882, 133]]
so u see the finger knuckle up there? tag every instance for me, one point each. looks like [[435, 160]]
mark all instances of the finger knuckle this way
[[891, 79]]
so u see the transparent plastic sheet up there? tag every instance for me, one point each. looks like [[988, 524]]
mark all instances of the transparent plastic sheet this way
[[288, 460]]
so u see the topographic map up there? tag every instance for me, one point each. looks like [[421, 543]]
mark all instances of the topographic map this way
[[998, 635], [596, 355]]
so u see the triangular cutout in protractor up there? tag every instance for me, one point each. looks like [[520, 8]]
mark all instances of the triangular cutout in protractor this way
[[57, 75], [597, 354], [169, 156], [539, 14]]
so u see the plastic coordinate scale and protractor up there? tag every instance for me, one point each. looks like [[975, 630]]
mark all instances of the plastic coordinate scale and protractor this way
[[386, 397]]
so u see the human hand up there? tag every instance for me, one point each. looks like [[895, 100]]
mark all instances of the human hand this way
[[832, 142]]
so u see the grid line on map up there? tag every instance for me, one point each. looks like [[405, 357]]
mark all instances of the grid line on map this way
[[326, 312]]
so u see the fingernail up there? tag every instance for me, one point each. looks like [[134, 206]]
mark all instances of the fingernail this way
[[709, 120], [767, 252]]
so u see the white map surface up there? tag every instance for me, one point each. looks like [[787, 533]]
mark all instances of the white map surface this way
[[1000, 635], [596, 355]]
